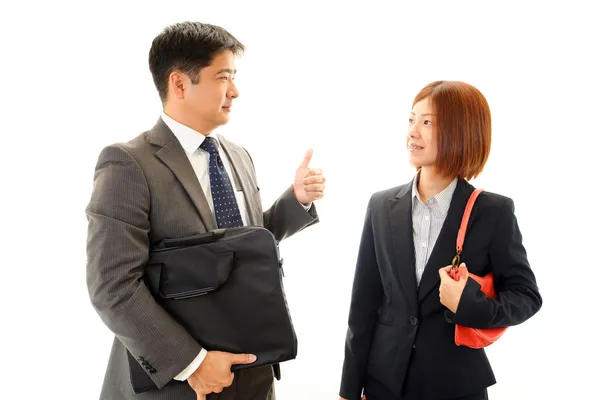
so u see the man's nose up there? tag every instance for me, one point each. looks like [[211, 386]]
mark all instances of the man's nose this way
[[233, 91]]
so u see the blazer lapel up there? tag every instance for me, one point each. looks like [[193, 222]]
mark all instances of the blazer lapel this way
[[173, 156], [445, 246], [241, 181], [402, 243]]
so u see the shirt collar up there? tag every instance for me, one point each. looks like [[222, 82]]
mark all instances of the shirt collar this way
[[443, 198], [190, 139]]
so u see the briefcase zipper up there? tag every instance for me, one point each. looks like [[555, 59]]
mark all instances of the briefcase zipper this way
[[191, 293], [281, 276]]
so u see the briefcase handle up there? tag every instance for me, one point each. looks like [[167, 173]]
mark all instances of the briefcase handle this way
[[203, 238]]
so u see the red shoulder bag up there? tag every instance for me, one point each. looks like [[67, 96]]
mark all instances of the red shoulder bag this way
[[472, 337]]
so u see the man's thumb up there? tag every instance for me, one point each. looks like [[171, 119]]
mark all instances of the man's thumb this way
[[243, 359], [307, 158]]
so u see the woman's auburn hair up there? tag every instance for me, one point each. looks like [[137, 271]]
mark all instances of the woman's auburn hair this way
[[464, 127]]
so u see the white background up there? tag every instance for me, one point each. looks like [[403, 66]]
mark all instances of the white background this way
[[336, 76]]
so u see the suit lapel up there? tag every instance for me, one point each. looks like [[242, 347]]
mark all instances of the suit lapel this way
[[445, 246], [241, 181], [173, 156], [402, 243]]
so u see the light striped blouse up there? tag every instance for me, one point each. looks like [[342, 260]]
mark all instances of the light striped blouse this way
[[428, 219]]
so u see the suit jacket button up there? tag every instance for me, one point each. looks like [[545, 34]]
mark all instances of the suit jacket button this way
[[413, 320]]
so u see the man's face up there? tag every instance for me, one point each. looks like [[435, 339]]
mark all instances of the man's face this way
[[209, 101]]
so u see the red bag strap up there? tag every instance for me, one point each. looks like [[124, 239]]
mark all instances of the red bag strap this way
[[465, 221], [460, 239]]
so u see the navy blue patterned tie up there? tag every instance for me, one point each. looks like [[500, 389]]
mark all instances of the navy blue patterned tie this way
[[226, 208]]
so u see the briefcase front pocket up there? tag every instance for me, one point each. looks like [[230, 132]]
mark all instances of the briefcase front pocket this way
[[192, 275]]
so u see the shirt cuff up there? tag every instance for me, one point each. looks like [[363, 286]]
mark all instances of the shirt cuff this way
[[306, 207], [186, 373]]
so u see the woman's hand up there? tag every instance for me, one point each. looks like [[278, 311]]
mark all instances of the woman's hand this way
[[451, 290]]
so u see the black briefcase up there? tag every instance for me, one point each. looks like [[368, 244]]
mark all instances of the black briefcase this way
[[225, 287]]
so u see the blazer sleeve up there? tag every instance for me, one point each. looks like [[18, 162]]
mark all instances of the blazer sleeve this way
[[366, 298], [287, 216], [518, 297], [117, 252]]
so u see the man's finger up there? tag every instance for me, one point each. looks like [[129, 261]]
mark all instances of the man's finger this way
[[216, 389], [313, 172], [315, 196], [307, 158], [206, 389], [242, 358], [317, 187], [314, 179], [200, 397]]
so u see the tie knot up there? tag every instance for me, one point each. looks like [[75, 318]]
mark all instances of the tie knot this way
[[209, 145]]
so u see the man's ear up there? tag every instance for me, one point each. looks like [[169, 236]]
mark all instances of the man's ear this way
[[177, 84]]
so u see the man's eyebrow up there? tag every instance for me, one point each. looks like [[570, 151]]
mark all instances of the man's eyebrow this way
[[229, 70]]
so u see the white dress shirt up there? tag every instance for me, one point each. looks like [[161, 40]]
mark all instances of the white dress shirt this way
[[191, 140]]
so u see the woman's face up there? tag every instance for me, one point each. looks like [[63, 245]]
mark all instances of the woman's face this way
[[421, 140]]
